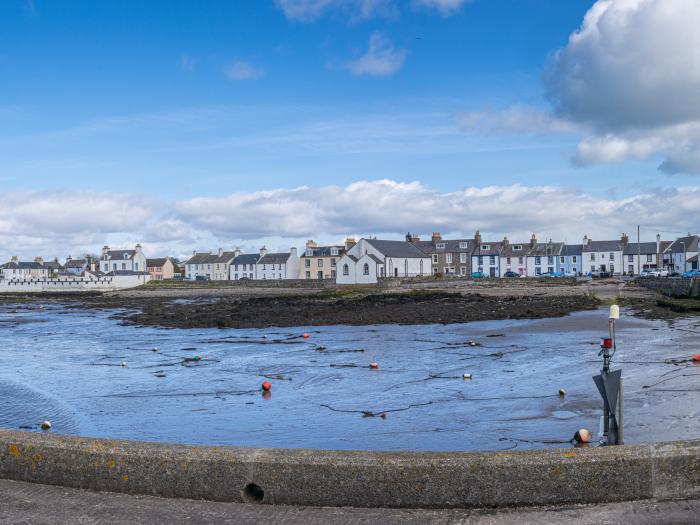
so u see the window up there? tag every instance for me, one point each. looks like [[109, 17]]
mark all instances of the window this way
[[538, 271], [573, 260], [550, 269], [538, 261], [573, 269], [449, 258], [485, 247], [440, 246], [630, 258], [492, 260], [550, 260], [517, 247], [649, 257], [507, 260], [463, 270], [561, 260], [630, 268], [592, 256], [123, 266], [319, 263], [593, 267], [520, 260], [319, 274], [307, 263], [332, 274], [463, 258], [235, 277], [332, 263], [309, 253], [481, 260], [346, 270], [612, 256], [334, 251], [264, 267], [435, 258], [463, 245], [366, 269], [612, 268], [308, 274]]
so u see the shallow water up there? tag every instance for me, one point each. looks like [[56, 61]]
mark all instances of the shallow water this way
[[66, 366]]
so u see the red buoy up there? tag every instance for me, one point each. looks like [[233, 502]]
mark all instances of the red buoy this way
[[696, 358], [374, 366], [305, 335], [266, 385]]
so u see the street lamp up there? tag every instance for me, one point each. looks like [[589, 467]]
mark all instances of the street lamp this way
[[684, 265]]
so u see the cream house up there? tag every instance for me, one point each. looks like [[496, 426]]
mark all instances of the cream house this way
[[319, 262]]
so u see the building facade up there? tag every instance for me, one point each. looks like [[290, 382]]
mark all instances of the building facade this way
[[372, 259], [122, 260], [319, 262]]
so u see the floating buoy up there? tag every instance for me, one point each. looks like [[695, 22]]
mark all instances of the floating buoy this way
[[41, 307], [582, 436], [472, 343], [155, 348], [696, 358], [197, 358], [46, 425], [374, 366], [466, 376], [266, 386], [306, 335], [562, 392], [123, 363]]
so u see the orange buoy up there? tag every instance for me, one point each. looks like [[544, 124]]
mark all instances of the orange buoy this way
[[266, 385], [306, 335], [696, 358], [374, 366], [582, 436]]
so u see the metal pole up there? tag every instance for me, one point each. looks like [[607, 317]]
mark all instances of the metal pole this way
[[639, 251], [619, 415]]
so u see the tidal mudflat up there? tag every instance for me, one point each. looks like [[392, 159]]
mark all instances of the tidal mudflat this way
[[92, 375]]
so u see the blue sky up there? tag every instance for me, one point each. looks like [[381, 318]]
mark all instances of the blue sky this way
[[165, 104]]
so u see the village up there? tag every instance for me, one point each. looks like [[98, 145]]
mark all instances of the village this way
[[368, 261]]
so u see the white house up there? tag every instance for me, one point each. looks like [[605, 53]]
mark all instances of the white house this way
[[486, 257], [603, 256], [76, 266], [277, 265], [638, 257], [200, 265], [682, 254], [371, 259], [23, 270], [244, 267], [122, 260]]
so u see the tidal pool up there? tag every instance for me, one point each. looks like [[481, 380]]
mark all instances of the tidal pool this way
[[66, 365]]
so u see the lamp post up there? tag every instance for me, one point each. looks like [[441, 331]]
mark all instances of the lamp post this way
[[684, 265], [610, 385]]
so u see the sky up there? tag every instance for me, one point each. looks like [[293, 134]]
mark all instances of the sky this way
[[187, 125]]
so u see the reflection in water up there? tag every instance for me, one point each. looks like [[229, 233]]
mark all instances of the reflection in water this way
[[88, 374]]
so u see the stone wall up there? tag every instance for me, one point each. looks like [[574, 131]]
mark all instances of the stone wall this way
[[672, 286]]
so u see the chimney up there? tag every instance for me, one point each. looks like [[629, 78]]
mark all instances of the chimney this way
[[349, 243], [38, 260], [533, 241], [293, 252], [412, 238], [477, 238], [263, 251], [311, 244], [105, 249], [14, 259], [505, 242], [625, 240], [586, 241], [436, 237], [237, 251], [221, 252]]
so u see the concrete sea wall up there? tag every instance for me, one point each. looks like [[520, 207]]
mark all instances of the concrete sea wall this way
[[672, 286], [76, 284], [353, 478]]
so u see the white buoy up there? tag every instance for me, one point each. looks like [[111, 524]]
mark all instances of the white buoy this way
[[155, 348], [46, 425], [123, 363], [562, 392], [466, 376]]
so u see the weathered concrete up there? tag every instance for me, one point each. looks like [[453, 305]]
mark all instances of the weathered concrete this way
[[44, 504], [354, 478]]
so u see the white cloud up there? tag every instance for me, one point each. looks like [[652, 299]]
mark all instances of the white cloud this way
[[515, 119], [243, 70], [631, 75], [381, 59], [356, 10], [445, 7], [60, 223]]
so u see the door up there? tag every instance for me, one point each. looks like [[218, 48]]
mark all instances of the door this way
[[492, 272], [396, 272]]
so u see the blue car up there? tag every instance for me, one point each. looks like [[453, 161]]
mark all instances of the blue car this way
[[552, 274], [478, 275], [691, 273]]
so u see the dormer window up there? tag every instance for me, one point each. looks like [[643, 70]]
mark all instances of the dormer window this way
[[463, 245], [517, 246], [334, 251], [309, 253], [485, 247], [440, 246], [126, 256]]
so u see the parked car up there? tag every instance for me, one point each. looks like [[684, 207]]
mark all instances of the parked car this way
[[644, 274], [510, 274], [201, 278], [552, 274], [691, 273], [478, 275]]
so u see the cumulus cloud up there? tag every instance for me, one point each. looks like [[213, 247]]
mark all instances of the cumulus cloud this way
[[243, 70], [631, 74], [381, 59], [356, 10], [60, 223]]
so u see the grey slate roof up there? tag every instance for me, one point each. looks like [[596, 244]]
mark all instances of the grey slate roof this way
[[202, 258], [572, 249], [52, 265], [397, 248], [691, 244], [247, 258], [603, 246], [494, 248], [451, 246], [75, 263], [544, 249], [324, 251], [120, 254], [274, 258], [510, 251], [646, 247], [22, 265], [225, 257], [156, 263]]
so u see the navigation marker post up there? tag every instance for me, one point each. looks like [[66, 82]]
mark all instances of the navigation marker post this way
[[610, 386]]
